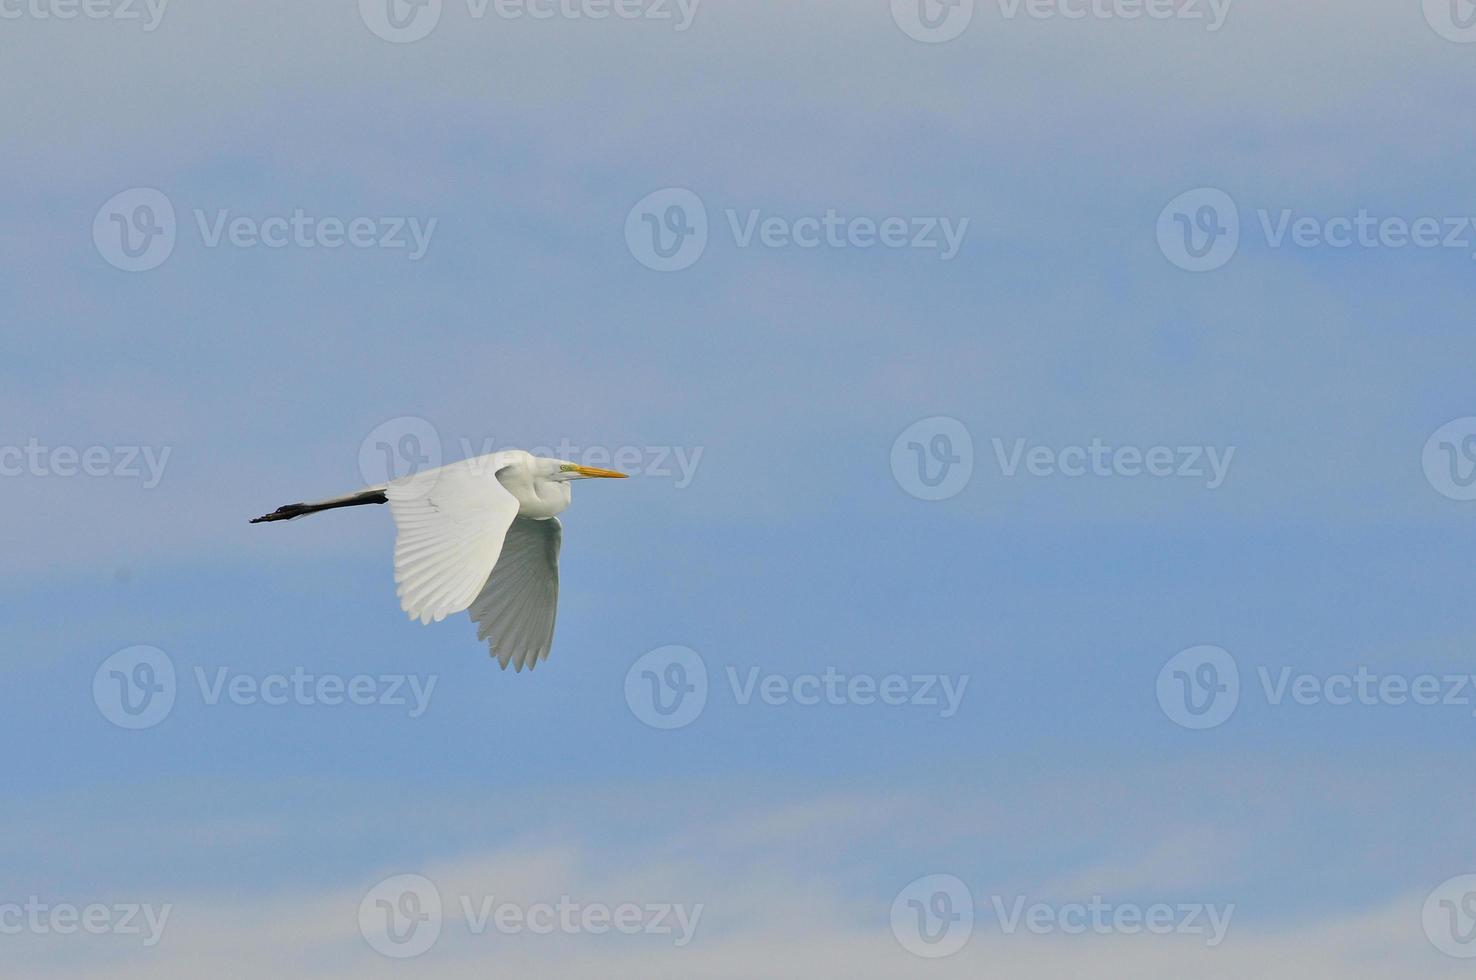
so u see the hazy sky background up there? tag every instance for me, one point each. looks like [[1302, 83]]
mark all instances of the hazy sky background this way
[[786, 374]]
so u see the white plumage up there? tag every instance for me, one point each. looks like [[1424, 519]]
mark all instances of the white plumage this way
[[478, 535]]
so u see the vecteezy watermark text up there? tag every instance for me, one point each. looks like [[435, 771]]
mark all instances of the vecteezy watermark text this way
[[136, 230], [1208, 463], [934, 916], [304, 230], [933, 459], [937, 21], [1201, 687], [1201, 230], [655, 462], [144, 463], [404, 915], [668, 688], [1100, 917], [407, 21], [97, 919], [137, 688], [407, 445], [1213, 13], [148, 13], [832, 687], [668, 231], [408, 691]]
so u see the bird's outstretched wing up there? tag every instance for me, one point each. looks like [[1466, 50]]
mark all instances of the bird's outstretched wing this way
[[451, 523], [517, 606]]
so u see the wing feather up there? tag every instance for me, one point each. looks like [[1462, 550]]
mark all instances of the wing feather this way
[[518, 604], [451, 523]]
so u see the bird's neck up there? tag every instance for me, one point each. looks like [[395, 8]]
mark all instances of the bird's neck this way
[[540, 500]]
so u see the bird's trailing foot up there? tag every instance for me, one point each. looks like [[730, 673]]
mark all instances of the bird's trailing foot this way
[[374, 495]]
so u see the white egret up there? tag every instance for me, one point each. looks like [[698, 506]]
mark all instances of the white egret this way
[[479, 535]]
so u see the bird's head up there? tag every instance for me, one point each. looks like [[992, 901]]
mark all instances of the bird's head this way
[[563, 471]]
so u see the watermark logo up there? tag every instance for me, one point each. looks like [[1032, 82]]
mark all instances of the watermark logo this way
[[1199, 231], [135, 688], [410, 446], [933, 458], [1449, 459], [407, 21], [1199, 688], [398, 449], [400, 21], [1450, 917], [933, 917], [937, 21], [138, 688], [135, 230], [667, 229], [1454, 20], [933, 21], [401, 916], [667, 687]]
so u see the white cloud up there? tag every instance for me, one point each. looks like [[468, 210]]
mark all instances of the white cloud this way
[[756, 921], [792, 888]]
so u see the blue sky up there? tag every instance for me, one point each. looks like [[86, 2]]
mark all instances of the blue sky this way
[[785, 375]]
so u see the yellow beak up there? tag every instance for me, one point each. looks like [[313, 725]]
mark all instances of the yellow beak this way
[[595, 472]]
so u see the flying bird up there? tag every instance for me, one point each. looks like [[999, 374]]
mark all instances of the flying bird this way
[[479, 535]]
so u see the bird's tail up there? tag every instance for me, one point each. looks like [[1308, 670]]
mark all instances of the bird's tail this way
[[373, 495]]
